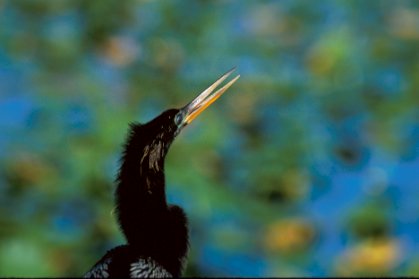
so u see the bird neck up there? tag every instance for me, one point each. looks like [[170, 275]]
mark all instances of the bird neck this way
[[151, 226], [140, 194]]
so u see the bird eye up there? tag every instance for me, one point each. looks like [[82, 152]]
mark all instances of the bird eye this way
[[178, 119]]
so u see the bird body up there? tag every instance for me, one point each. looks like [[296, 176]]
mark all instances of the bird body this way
[[156, 232], [125, 262]]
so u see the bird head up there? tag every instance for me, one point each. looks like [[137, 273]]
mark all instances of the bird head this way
[[164, 128], [189, 112]]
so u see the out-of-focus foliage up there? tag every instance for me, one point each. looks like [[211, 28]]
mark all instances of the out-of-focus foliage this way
[[309, 166]]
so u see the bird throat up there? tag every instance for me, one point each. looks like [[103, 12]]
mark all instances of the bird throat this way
[[154, 154], [152, 166]]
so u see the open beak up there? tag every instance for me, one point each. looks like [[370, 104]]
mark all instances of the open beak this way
[[206, 98]]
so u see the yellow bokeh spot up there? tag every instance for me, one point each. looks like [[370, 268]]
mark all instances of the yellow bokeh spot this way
[[375, 256], [289, 235]]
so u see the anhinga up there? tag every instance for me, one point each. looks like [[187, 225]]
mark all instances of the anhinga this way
[[156, 232]]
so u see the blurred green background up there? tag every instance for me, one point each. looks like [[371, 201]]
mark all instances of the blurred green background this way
[[308, 166]]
